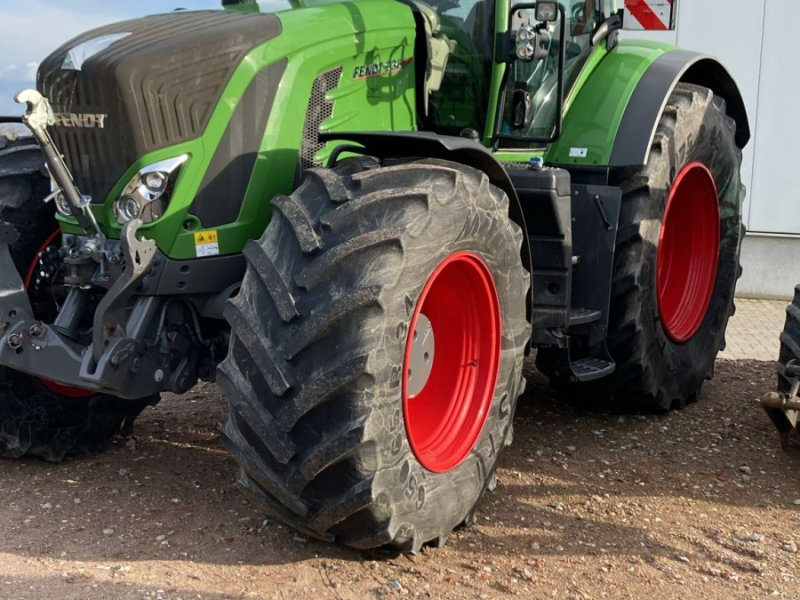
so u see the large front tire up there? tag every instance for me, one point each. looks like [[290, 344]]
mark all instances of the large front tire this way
[[38, 417], [322, 416], [677, 257]]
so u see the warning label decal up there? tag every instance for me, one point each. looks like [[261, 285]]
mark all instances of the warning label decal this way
[[206, 243]]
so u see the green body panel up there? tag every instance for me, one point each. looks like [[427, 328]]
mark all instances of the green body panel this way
[[594, 110], [317, 38], [313, 40]]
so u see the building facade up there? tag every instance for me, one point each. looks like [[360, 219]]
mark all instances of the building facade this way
[[752, 38]]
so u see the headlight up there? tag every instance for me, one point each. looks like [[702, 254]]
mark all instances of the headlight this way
[[149, 191], [546, 11]]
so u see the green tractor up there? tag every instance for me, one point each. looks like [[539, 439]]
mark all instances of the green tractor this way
[[358, 217]]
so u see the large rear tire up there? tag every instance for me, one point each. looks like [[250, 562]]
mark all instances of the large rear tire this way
[[346, 425], [677, 257], [38, 417]]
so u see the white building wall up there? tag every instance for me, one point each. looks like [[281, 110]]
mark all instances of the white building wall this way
[[753, 38]]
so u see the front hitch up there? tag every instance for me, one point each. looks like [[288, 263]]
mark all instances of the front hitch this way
[[116, 362], [784, 408]]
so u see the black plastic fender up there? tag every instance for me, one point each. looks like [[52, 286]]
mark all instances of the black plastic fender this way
[[652, 92]]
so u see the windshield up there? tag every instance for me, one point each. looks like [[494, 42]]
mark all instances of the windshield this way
[[531, 107], [531, 99]]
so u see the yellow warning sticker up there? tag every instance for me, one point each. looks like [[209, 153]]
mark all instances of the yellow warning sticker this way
[[206, 237], [206, 243]]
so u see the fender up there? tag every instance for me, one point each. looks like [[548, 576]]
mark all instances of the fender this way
[[612, 118], [409, 144], [642, 114]]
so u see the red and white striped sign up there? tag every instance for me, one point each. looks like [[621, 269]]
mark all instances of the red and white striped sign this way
[[653, 15]]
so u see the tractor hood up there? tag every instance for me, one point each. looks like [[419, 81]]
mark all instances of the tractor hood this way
[[127, 89]]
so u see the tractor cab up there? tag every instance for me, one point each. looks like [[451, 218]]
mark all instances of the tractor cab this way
[[510, 87]]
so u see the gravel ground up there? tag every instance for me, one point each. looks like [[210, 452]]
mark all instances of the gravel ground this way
[[589, 504]]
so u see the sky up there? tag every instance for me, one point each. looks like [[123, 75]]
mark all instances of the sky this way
[[32, 29]]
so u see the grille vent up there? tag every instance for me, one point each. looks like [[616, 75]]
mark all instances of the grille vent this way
[[319, 109]]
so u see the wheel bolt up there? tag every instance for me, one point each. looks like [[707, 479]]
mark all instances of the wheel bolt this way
[[15, 341]]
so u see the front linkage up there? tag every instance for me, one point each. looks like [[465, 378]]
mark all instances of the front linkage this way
[[784, 407], [123, 357]]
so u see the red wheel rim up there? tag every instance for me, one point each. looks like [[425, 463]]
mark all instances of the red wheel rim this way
[[445, 417], [688, 252], [56, 388]]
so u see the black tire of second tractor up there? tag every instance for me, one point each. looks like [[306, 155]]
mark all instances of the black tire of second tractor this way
[[313, 374], [35, 421], [789, 353], [654, 373]]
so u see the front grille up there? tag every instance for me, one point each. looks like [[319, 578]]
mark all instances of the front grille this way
[[319, 109], [158, 86], [96, 157]]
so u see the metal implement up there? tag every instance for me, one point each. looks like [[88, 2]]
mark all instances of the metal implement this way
[[781, 402], [117, 361], [784, 408], [109, 318], [37, 117]]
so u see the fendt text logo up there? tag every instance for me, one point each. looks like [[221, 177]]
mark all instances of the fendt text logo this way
[[87, 120]]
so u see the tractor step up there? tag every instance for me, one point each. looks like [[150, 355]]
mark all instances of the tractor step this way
[[589, 369], [560, 364], [582, 316]]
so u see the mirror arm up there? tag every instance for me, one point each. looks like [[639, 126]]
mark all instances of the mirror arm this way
[[611, 25]]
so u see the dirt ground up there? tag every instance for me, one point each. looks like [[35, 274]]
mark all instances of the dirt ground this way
[[589, 504]]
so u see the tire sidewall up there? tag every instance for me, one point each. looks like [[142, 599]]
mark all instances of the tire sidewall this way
[[425, 503]]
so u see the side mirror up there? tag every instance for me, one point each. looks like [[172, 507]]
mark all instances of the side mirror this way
[[530, 30], [537, 31]]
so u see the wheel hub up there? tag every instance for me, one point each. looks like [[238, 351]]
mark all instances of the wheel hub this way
[[420, 363]]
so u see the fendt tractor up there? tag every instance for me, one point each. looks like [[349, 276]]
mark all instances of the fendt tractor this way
[[358, 217]]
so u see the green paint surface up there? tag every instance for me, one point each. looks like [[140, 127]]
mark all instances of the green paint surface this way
[[313, 40], [594, 110], [326, 35]]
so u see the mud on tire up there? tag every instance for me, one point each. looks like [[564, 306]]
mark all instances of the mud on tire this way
[[313, 374], [654, 372], [34, 420]]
